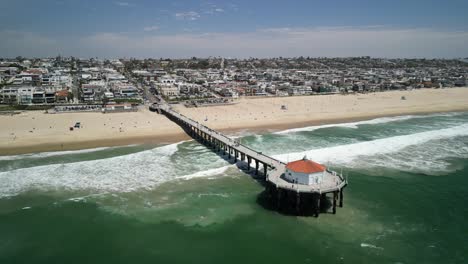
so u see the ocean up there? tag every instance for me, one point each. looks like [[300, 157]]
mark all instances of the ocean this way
[[406, 201]]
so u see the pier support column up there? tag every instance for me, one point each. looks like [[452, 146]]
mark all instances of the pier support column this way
[[229, 152], [265, 170], [249, 160], [242, 156], [224, 149], [256, 167], [298, 203], [278, 200], [317, 205], [341, 198], [335, 197], [235, 156]]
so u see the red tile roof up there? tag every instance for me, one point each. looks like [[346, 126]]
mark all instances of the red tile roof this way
[[305, 166]]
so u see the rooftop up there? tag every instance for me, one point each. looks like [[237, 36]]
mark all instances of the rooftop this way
[[305, 166]]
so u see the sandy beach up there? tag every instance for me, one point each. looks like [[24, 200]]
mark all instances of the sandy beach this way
[[36, 131]]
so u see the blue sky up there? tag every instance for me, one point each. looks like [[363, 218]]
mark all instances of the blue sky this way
[[236, 28]]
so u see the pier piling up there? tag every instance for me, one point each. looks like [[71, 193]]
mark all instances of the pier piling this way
[[256, 167], [298, 202], [335, 196], [287, 194], [341, 198]]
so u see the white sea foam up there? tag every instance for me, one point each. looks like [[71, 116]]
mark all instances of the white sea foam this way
[[120, 174], [365, 245], [347, 154], [428, 158], [142, 170], [53, 154], [206, 173], [150, 168], [375, 121], [223, 195]]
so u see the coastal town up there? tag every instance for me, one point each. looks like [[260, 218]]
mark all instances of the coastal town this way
[[73, 84], [233, 131]]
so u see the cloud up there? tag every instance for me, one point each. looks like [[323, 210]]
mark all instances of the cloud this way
[[316, 42], [151, 28], [190, 15], [233, 7], [277, 30], [123, 4], [213, 9], [270, 42]]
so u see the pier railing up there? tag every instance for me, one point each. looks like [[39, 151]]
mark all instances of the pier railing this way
[[278, 168], [265, 159]]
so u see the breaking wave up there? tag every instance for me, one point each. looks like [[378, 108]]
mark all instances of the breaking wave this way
[[376, 121], [53, 154], [123, 174], [374, 151], [206, 173], [150, 168]]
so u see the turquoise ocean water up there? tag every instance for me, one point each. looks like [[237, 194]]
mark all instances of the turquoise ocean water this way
[[407, 201]]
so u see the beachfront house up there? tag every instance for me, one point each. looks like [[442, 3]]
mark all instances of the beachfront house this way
[[24, 95], [304, 172], [169, 90], [92, 92], [8, 95]]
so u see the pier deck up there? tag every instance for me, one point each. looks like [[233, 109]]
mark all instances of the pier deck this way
[[273, 168]]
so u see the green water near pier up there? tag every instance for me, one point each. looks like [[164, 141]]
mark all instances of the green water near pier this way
[[181, 203]]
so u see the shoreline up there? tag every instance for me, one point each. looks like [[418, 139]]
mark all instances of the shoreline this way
[[94, 143], [171, 138], [35, 131]]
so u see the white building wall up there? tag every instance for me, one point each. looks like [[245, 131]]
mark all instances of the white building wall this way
[[300, 178], [303, 178], [316, 178]]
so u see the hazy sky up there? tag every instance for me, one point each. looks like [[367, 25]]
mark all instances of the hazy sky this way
[[236, 28]]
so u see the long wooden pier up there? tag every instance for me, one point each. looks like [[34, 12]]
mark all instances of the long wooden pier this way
[[277, 187]]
